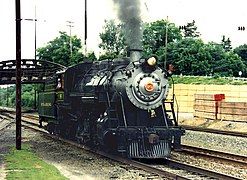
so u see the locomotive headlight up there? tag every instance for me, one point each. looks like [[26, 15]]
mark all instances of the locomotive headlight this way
[[149, 87], [151, 61]]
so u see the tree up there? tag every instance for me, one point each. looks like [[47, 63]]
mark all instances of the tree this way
[[242, 52], [192, 57], [226, 43], [235, 63], [58, 50], [91, 56], [224, 63], [190, 30], [27, 96], [154, 36], [189, 57], [112, 40]]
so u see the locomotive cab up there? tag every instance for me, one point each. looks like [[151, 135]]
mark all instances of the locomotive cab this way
[[48, 99]]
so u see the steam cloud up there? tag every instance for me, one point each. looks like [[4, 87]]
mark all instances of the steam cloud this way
[[129, 14]]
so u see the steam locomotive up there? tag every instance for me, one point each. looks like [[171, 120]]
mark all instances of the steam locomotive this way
[[118, 105]]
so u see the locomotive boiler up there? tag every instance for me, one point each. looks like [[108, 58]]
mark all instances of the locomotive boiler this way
[[117, 105]]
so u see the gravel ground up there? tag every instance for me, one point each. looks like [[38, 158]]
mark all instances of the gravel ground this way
[[189, 119], [79, 164]]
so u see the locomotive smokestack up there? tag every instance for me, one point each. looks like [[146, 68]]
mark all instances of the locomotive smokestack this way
[[129, 14], [135, 54]]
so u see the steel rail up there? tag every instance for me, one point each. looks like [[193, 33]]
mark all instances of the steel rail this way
[[8, 118], [216, 131], [229, 157], [6, 126], [198, 170]]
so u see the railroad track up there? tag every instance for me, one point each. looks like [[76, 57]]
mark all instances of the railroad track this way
[[191, 171], [9, 116], [223, 156], [3, 124], [186, 127], [216, 131], [31, 116], [130, 163], [195, 172]]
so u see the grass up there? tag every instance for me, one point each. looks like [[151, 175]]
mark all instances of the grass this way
[[207, 80], [24, 164]]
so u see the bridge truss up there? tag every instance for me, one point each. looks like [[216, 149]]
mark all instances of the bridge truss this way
[[33, 71]]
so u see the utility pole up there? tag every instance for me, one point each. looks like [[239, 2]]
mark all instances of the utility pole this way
[[35, 31], [166, 42], [70, 39], [7, 96], [18, 73], [85, 31]]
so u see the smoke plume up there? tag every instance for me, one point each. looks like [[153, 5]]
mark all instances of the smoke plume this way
[[129, 14]]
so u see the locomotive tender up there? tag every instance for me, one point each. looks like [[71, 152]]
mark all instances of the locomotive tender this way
[[118, 105]]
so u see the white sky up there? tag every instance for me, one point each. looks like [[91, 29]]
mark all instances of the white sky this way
[[214, 18]]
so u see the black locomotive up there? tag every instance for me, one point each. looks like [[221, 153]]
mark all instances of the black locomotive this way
[[118, 105]]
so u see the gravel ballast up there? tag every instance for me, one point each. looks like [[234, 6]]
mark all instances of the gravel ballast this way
[[224, 143]]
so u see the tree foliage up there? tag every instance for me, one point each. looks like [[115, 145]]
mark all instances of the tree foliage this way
[[91, 56], [7, 96], [226, 43], [58, 50], [112, 40], [242, 52], [154, 36], [189, 54], [189, 57], [190, 30], [193, 57], [224, 63]]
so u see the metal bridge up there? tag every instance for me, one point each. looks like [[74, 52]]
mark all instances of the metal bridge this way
[[33, 71]]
